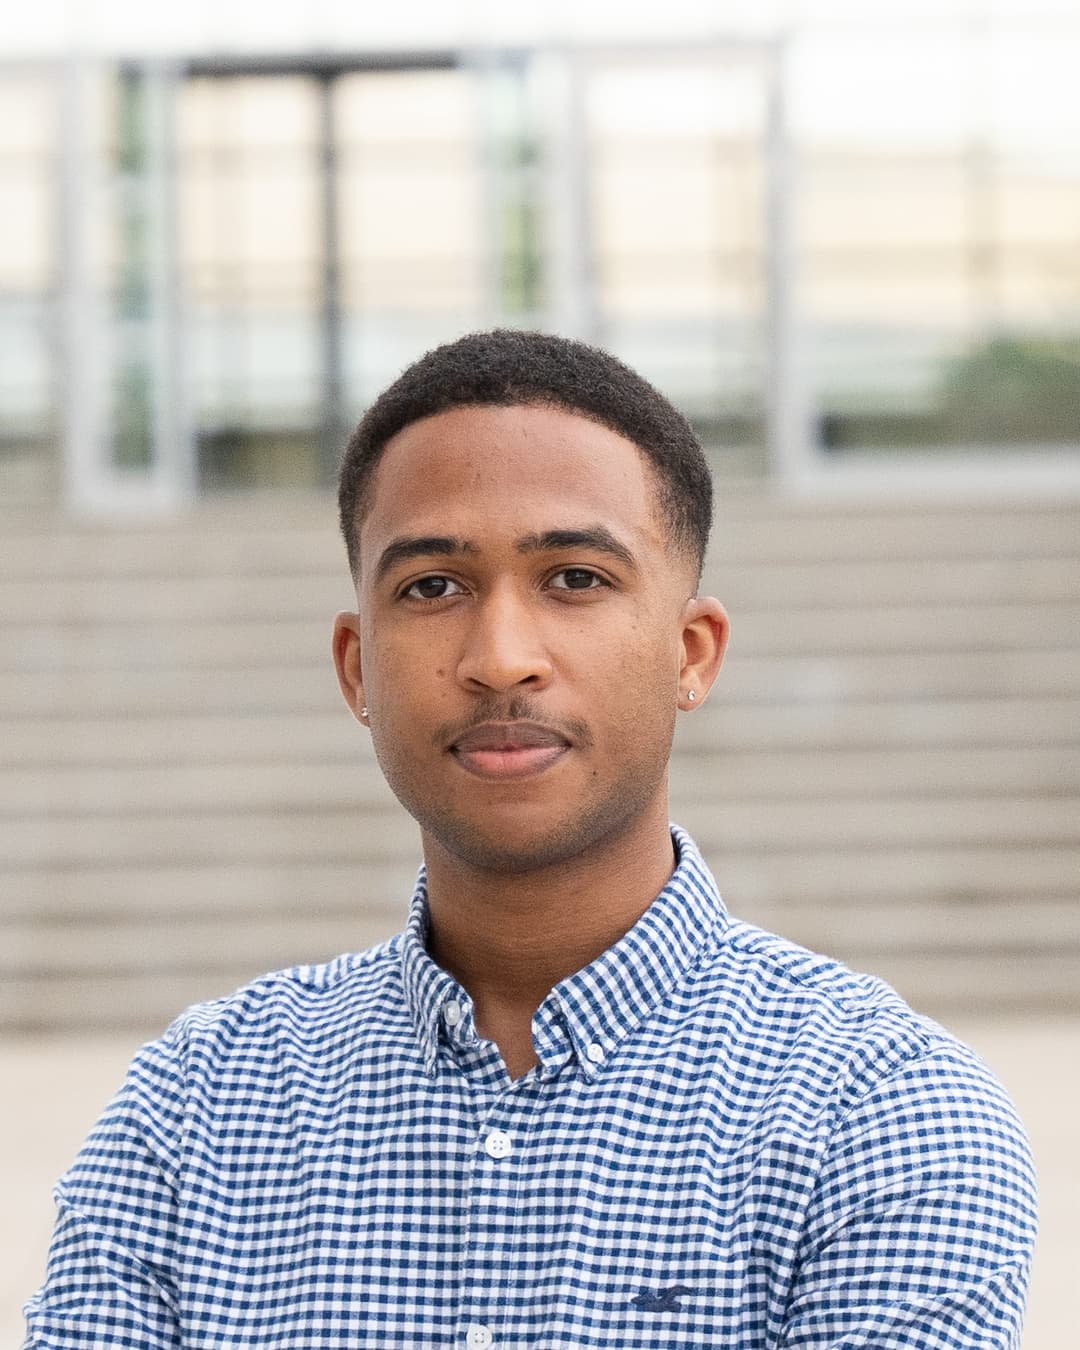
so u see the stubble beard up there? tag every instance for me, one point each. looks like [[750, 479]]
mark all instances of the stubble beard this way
[[568, 839], [609, 813]]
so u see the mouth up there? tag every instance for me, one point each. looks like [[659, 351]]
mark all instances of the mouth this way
[[509, 749]]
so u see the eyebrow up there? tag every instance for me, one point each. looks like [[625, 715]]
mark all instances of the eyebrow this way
[[420, 546], [595, 537]]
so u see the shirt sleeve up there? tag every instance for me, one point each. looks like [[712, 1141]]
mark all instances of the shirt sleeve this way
[[922, 1225], [108, 1281]]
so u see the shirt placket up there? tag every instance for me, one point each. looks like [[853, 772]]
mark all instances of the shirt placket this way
[[492, 1237]]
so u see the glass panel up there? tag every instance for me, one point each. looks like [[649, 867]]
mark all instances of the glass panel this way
[[516, 230], [250, 249], [939, 199], [131, 384], [28, 274], [412, 228], [677, 216], [408, 157]]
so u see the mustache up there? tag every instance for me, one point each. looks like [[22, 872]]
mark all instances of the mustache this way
[[520, 708]]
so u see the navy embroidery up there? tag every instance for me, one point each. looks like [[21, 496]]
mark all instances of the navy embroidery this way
[[665, 1300]]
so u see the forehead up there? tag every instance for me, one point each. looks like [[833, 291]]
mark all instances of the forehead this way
[[486, 472]]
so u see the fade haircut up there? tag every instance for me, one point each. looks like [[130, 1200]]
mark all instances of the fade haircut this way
[[508, 367]]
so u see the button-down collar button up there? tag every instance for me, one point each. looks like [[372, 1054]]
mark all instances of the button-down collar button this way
[[497, 1145], [452, 1013], [595, 1053], [478, 1337]]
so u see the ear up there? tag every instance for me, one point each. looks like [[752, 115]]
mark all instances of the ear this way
[[704, 640], [346, 649]]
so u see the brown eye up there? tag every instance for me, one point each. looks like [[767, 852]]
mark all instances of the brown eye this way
[[433, 588], [576, 579]]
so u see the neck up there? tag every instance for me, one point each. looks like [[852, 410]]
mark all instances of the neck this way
[[510, 938]]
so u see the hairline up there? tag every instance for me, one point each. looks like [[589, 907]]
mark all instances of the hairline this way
[[677, 541]]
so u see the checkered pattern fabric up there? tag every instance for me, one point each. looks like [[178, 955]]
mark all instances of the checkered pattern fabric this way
[[728, 1141]]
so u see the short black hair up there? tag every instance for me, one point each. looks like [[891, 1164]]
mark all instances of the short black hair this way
[[507, 367]]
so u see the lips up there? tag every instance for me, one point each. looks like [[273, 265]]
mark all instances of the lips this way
[[509, 749]]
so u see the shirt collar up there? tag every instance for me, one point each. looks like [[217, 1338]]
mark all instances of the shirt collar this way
[[592, 1011], [428, 988]]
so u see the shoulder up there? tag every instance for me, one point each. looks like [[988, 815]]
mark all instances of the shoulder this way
[[777, 988], [308, 997], [782, 1005], [294, 1020], [286, 1042], [833, 1039]]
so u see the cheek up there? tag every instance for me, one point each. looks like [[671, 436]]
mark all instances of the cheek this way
[[638, 688], [406, 682], [652, 654]]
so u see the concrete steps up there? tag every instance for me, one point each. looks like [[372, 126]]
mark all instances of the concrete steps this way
[[889, 769]]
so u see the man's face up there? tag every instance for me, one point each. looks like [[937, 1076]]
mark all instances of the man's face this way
[[521, 634]]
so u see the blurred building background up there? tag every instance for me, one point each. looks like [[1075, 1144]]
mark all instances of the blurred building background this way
[[846, 241], [844, 238]]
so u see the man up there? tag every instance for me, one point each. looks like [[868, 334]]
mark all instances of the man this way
[[574, 1104]]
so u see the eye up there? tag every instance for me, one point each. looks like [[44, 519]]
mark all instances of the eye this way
[[577, 579], [432, 588]]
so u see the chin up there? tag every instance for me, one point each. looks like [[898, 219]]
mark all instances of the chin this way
[[523, 846], [507, 856]]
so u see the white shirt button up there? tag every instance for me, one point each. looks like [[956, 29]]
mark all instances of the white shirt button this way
[[452, 1013], [497, 1145], [595, 1053], [478, 1336]]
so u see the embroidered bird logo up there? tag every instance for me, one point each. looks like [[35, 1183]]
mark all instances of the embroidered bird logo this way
[[664, 1300]]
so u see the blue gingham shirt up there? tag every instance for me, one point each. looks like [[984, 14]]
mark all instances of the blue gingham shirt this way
[[727, 1142]]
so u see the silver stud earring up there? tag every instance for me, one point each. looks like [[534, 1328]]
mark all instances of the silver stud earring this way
[[363, 712], [690, 696]]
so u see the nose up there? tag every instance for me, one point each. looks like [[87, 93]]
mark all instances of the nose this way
[[504, 647]]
